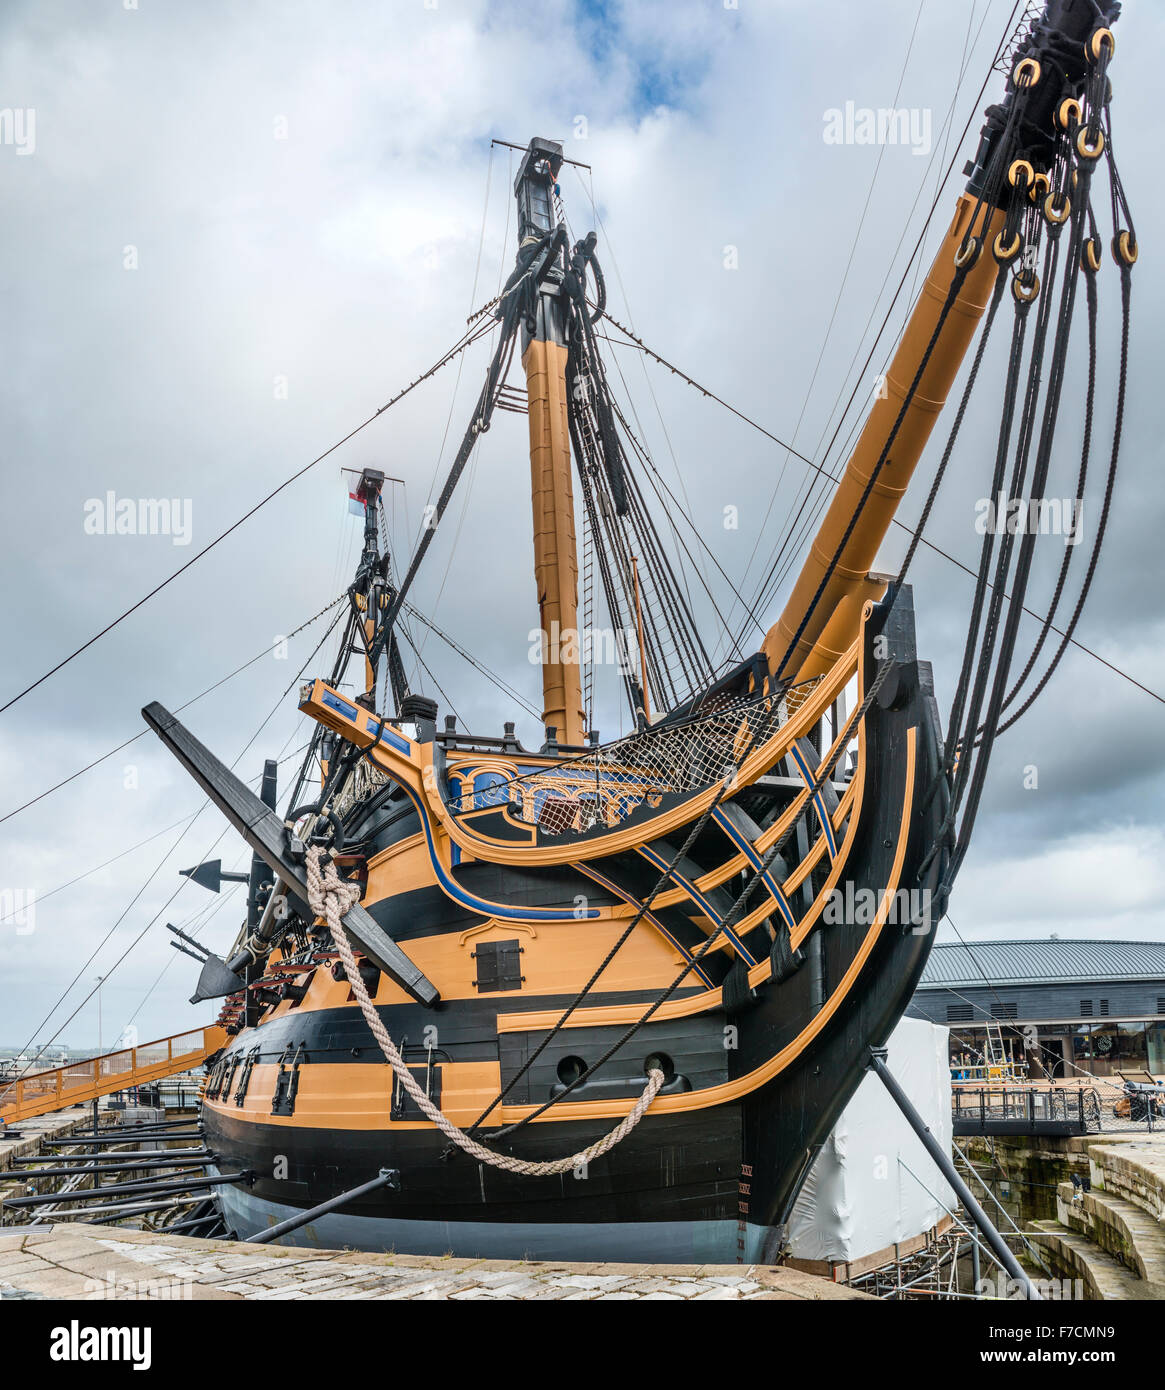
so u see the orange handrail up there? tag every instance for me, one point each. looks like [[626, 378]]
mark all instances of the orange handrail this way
[[39, 1093]]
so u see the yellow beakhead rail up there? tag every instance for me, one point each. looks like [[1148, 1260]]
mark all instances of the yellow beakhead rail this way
[[41, 1092]]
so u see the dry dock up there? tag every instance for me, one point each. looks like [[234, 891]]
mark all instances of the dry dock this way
[[19, 1140], [94, 1262], [1111, 1238]]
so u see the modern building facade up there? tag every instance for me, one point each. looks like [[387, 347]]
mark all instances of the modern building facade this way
[[1053, 1007]]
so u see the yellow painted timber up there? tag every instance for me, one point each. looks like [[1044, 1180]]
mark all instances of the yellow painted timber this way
[[555, 557], [835, 619]]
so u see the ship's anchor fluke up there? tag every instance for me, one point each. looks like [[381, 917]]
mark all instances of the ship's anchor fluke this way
[[263, 830], [217, 979], [212, 875]]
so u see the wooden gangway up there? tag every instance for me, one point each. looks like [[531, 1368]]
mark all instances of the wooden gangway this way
[[41, 1092]]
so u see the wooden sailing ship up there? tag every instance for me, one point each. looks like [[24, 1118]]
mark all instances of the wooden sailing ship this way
[[544, 933]]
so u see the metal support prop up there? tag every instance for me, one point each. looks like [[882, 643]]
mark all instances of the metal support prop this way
[[98, 1170], [66, 1140], [113, 1156], [998, 1245], [130, 1129], [387, 1177], [196, 1182], [109, 1216]]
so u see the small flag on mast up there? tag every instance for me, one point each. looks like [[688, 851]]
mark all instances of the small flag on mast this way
[[364, 485]]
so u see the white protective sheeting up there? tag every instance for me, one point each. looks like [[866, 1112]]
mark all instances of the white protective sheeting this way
[[859, 1199]]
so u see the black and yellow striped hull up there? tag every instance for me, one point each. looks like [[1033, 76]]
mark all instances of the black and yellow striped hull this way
[[761, 1059]]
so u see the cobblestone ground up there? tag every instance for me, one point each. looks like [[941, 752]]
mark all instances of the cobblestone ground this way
[[73, 1261]]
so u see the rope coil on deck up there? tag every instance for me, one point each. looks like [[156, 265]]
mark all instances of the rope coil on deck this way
[[330, 897]]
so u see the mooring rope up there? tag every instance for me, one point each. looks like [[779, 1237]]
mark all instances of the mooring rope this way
[[330, 897]]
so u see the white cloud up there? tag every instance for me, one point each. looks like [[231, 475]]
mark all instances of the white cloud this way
[[310, 258]]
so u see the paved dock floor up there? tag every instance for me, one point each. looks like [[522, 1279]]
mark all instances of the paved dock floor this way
[[74, 1261]]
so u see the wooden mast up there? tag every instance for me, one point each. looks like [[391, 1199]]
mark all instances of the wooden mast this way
[[544, 353], [642, 643], [828, 624], [835, 618]]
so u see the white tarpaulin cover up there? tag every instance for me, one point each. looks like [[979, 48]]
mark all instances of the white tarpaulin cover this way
[[858, 1198]]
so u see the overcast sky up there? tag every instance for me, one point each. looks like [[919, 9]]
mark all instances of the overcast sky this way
[[231, 232]]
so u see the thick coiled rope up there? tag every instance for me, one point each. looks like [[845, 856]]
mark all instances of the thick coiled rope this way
[[330, 897]]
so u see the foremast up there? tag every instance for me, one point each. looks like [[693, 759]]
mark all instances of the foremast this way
[[544, 355]]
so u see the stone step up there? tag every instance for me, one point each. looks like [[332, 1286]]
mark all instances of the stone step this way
[[1133, 1169], [1118, 1226], [1074, 1256]]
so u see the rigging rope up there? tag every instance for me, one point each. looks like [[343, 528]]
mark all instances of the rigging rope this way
[[1081, 480], [1090, 262], [970, 774], [477, 665], [464, 342], [157, 869], [330, 897], [842, 743], [772, 579], [266, 652], [539, 259], [424, 667], [854, 244], [970, 244], [1104, 513], [636, 342]]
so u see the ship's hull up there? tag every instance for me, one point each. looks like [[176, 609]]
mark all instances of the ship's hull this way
[[669, 1193], [655, 1242], [760, 1066]]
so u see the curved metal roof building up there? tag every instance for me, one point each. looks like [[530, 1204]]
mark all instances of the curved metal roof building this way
[[1041, 962]]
